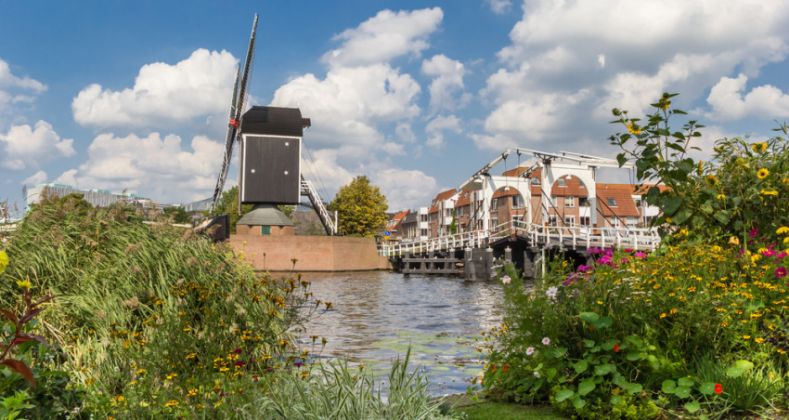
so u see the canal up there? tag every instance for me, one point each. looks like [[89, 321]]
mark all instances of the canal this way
[[376, 316]]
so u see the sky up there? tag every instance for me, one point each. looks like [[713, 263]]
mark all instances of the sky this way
[[416, 95]]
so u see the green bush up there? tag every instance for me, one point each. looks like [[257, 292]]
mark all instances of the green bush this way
[[149, 319], [699, 327]]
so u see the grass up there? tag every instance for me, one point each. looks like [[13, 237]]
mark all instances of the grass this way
[[469, 408]]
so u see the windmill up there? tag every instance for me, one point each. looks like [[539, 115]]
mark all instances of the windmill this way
[[270, 169]]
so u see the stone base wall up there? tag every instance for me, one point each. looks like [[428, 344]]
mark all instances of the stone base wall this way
[[247, 230], [312, 253]]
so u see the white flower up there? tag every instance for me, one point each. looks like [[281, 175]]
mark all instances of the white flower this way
[[506, 279], [546, 341], [536, 374], [551, 292], [530, 351]]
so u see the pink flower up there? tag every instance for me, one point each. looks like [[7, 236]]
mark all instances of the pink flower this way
[[546, 341], [781, 255], [641, 255], [529, 351], [768, 253], [753, 233], [594, 250], [506, 279], [629, 250], [780, 272], [606, 259], [583, 268]]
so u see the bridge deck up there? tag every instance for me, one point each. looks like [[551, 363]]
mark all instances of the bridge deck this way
[[568, 237]]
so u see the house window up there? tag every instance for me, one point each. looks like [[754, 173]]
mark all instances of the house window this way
[[562, 182], [569, 220], [612, 202], [583, 201], [494, 203], [585, 221], [552, 220], [265, 230], [535, 181], [553, 200], [569, 201], [517, 202]]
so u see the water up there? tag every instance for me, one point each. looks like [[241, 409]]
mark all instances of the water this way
[[376, 316]]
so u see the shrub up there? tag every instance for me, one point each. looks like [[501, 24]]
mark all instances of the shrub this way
[[148, 319]]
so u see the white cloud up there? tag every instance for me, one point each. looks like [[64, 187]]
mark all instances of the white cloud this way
[[29, 147], [154, 166], [163, 94], [437, 126], [446, 89], [730, 102], [385, 36], [346, 106], [570, 62], [8, 80], [405, 133], [500, 7], [39, 177], [405, 188]]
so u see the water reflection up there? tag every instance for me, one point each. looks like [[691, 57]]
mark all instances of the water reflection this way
[[377, 315]]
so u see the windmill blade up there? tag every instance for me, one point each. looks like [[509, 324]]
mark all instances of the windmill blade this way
[[236, 107]]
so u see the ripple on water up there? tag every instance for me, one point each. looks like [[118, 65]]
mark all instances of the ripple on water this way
[[376, 316]]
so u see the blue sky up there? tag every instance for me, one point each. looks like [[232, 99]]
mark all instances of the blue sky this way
[[417, 95]]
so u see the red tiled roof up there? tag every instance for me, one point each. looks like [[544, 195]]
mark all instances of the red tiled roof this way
[[464, 199], [444, 195], [622, 194], [433, 209], [515, 171], [505, 192]]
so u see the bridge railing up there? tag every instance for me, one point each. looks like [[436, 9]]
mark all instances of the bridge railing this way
[[539, 235], [476, 239], [586, 236]]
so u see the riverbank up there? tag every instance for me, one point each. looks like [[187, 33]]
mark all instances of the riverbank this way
[[309, 253], [477, 408]]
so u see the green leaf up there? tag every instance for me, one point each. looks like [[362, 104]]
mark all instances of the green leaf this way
[[707, 388], [564, 394], [682, 392], [668, 386], [671, 205], [621, 159], [586, 386], [580, 366], [740, 367], [550, 373], [685, 382], [604, 369], [692, 406], [616, 400], [603, 323], [681, 216], [588, 343], [578, 403], [633, 356], [722, 217], [632, 388], [589, 317]]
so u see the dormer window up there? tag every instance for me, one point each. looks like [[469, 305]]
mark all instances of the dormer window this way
[[562, 182], [612, 202], [535, 181]]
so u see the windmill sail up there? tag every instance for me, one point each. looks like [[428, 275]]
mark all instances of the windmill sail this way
[[236, 107]]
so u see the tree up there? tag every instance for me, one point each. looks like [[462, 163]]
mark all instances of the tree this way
[[228, 204], [177, 215], [361, 208]]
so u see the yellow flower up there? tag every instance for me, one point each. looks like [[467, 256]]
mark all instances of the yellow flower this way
[[769, 192], [786, 240], [746, 337], [782, 230], [24, 284], [192, 393], [3, 261], [171, 403], [734, 240], [762, 173], [171, 376], [632, 128], [760, 147], [721, 197], [711, 179], [683, 232], [663, 315], [668, 220]]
